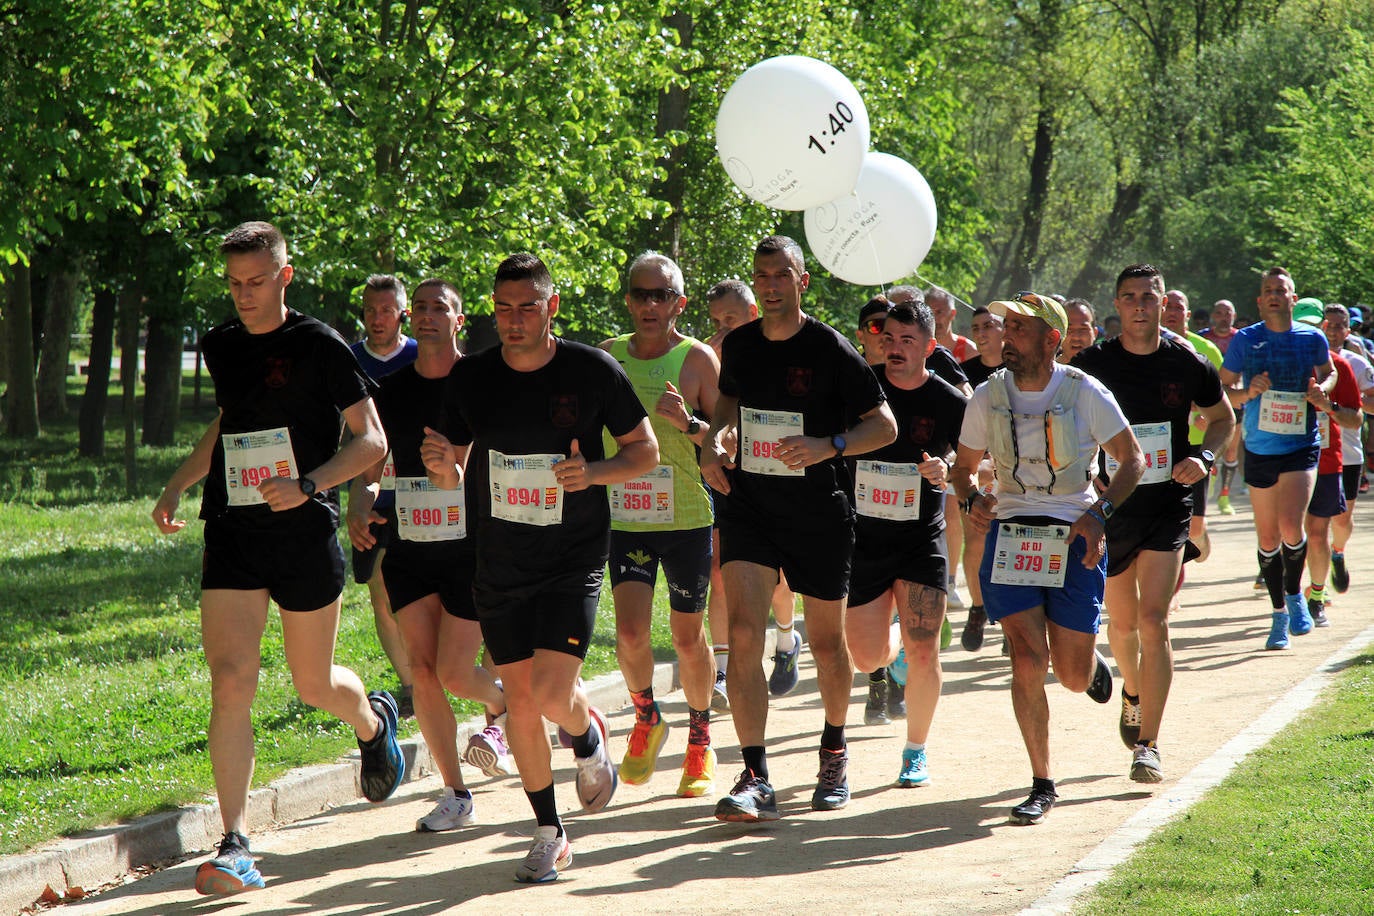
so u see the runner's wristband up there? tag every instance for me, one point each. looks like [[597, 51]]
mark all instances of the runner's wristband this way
[[1097, 515]]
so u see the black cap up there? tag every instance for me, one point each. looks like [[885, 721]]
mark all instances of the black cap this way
[[878, 305]]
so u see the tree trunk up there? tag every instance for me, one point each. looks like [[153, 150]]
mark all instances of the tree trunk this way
[[1094, 274], [130, 305], [21, 398], [55, 351], [1033, 212], [672, 118], [94, 401], [162, 390]]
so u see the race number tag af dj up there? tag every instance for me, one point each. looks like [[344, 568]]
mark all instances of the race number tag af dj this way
[[1157, 444], [1030, 555], [887, 490], [647, 499], [251, 458], [426, 513], [524, 489], [1283, 412], [760, 434]]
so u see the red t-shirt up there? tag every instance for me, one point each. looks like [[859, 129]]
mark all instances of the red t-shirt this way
[[1345, 394]]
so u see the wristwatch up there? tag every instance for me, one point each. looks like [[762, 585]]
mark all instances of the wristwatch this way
[[967, 504], [1208, 457], [307, 486], [838, 443], [1106, 507], [693, 426]]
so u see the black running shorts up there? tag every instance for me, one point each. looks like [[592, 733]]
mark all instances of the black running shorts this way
[[414, 570], [303, 570]]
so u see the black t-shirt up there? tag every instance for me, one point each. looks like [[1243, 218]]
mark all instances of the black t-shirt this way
[[942, 363], [493, 407], [300, 377], [928, 420], [816, 373], [976, 372], [1162, 386]]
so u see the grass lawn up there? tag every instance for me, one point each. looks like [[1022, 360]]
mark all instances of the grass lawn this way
[[1291, 830], [107, 693]]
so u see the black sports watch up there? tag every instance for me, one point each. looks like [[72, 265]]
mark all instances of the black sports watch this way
[[693, 426], [307, 486], [838, 443], [1106, 507], [1208, 457]]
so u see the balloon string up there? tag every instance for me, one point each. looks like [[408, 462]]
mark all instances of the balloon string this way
[[951, 294]]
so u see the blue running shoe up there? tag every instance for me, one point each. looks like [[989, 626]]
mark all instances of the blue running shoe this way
[[384, 766], [914, 769], [783, 680], [896, 671], [232, 871], [1299, 620], [1278, 633]]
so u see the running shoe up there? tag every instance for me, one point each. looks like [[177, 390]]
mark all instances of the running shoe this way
[[231, 871], [453, 811], [488, 750], [946, 633], [548, 853], [896, 700], [1278, 632], [1204, 547], [1260, 585], [972, 638], [596, 779], [1130, 720], [1146, 765], [832, 782], [405, 702], [1035, 807], [875, 710], [952, 597], [565, 739], [1100, 688], [752, 799], [914, 770], [1316, 608], [720, 700], [1224, 505], [698, 772], [896, 671], [783, 680], [384, 766], [1340, 576], [1299, 621], [646, 741]]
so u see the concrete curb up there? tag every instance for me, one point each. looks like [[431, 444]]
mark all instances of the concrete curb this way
[[101, 856]]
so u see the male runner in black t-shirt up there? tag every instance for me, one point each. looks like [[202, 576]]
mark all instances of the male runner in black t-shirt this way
[[799, 396], [522, 425], [271, 461], [1157, 383], [899, 549]]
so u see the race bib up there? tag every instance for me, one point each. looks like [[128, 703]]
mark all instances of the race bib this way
[[1157, 444], [760, 433], [1324, 429], [251, 458], [1030, 555], [426, 513], [389, 473], [1283, 412], [645, 500], [889, 491], [523, 489]]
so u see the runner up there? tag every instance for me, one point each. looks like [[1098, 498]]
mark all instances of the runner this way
[[429, 565], [987, 333], [664, 517], [1274, 369], [285, 384], [1082, 331], [789, 388], [1157, 383], [1337, 328], [899, 562], [942, 307], [1044, 563], [542, 527], [1221, 332]]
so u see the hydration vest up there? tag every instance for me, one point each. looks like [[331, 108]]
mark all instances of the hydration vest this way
[[1069, 468]]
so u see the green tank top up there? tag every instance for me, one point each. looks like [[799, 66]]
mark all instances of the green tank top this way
[[648, 503]]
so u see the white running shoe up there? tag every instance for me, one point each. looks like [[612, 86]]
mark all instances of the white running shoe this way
[[488, 751], [596, 776], [547, 855], [453, 811]]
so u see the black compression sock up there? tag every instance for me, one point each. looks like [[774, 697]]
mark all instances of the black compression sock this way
[[1294, 563]]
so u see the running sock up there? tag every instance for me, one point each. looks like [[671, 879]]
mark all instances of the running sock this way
[[1294, 563], [464, 793], [914, 746], [832, 738], [1228, 471], [755, 761], [646, 710], [786, 638], [722, 654], [877, 676], [1272, 571], [698, 726], [1318, 592], [1131, 698], [585, 745], [1146, 742], [545, 808], [1046, 784]]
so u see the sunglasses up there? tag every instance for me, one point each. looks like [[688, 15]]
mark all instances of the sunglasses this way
[[658, 295], [875, 325]]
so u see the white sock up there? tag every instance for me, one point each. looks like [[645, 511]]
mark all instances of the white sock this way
[[786, 638], [722, 657], [913, 746]]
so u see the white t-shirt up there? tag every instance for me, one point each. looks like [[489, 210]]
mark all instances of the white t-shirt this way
[[1096, 416], [1352, 452]]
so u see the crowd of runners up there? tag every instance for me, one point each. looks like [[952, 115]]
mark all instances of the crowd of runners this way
[[1065, 470]]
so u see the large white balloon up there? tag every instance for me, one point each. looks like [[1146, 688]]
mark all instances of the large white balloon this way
[[792, 133], [882, 231]]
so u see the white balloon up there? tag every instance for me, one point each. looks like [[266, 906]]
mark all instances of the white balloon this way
[[792, 133], [882, 231]]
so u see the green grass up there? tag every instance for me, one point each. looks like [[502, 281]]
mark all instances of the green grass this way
[[1290, 831], [107, 693]]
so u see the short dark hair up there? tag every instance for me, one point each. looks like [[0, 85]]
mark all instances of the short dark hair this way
[[1148, 271], [775, 244], [1079, 302], [914, 313], [982, 310], [912, 291], [252, 236], [446, 289], [1277, 272], [386, 283], [525, 266], [726, 287], [878, 305]]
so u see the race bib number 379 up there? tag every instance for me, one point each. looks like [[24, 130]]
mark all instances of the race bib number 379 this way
[[1030, 555]]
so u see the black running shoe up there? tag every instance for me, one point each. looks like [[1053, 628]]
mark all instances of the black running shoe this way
[[832, 782], [384, 766], [751, 799], [1340, 576], [875, 709], [1101, 687], [1034, 808], [972, 638], [896, 699]]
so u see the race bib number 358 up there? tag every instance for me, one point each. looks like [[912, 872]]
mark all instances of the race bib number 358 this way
[[251, 458], [645, 500], [524, 490], [1030, 555]]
